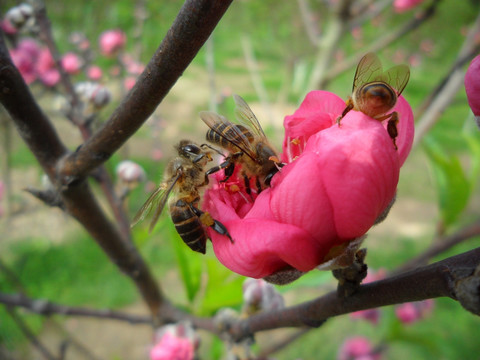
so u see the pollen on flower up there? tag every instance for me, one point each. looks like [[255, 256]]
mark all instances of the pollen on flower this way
[[295, 142]]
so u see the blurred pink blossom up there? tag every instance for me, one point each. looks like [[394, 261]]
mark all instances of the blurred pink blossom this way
[[94, 73], [71, 63], [171, 347], [411, 312], [174, 342], [472, 87], [45, 67], [7, 27], [357, 348], [112, 41], [405, 5], [336, 182], [129, 82]]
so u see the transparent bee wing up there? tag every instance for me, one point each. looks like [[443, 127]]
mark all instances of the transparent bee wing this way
[[156, 200], [233, 135], [397, 77], [245, 115], [369, 69]]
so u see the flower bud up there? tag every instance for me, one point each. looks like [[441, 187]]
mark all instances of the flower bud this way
[[405, 5], [258, 295], [94, 94], [19, 15], [130, 173], [176, 341], [356, 348], [472, 87], [71, 63], [111, 42], [411, 312]]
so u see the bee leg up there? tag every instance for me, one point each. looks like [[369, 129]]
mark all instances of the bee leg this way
[[207, 220], [259, 186], [349, 107], [246, 181], [228, 165], [392, 128]]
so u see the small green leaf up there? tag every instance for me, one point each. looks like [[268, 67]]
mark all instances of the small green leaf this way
[[223, 289], [190, 265], [452, 184]]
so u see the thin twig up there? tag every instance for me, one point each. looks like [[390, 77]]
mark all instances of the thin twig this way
[[47, 308], [417, 20], [30, 335], [441, 245]]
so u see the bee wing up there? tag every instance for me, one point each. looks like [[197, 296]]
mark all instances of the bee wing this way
[[233, 135], [397, 77], [245, 115], [156, 200], [369, 69]]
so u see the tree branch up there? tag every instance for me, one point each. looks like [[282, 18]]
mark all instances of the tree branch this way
[[436, 280], [43, 307], [192, 27]]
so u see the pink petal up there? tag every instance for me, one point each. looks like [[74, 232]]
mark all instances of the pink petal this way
[[472, 85]]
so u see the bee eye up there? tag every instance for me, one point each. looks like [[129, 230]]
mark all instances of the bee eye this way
[[191, 149]]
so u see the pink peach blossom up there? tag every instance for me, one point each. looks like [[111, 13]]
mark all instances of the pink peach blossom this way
[[472, 85], [336, 182], [24, 56], [71, 63], [356, 348], [112, 41], [405, 5], [45, 67], [171, 347], [7, 27], [94, 73], [129, 82], [411, 312]]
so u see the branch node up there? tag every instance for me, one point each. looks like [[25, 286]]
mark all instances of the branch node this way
[[467, 289], [349, 278]]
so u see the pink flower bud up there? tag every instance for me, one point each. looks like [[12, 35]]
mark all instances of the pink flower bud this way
[[112, 41], [130, 172], [94, 73], [7, 27], [71, 63], [336, 182], [25, 64], [129, 82], [472, 87], [405, 5], [411, 312], [174, 342], [45, 67], [357, 348]]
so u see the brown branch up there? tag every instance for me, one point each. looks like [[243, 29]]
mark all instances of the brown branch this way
[[46, 308], [437, 280], [192, 27], [40, 136]]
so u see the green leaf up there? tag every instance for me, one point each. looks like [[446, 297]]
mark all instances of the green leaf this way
[[223, 289], [453, 186], [190, 265], [472, 138]]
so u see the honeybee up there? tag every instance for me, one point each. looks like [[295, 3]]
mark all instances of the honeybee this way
[[375, 91], [184, 175], [246, 144]]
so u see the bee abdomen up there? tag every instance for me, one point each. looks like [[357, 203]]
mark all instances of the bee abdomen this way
[[188, 226], [221, 132]]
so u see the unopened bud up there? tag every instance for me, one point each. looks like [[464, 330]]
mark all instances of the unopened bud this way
[[130, 172], [19, 15], [258, 295]]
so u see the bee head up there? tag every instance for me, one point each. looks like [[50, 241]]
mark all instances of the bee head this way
[[190, 151]]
